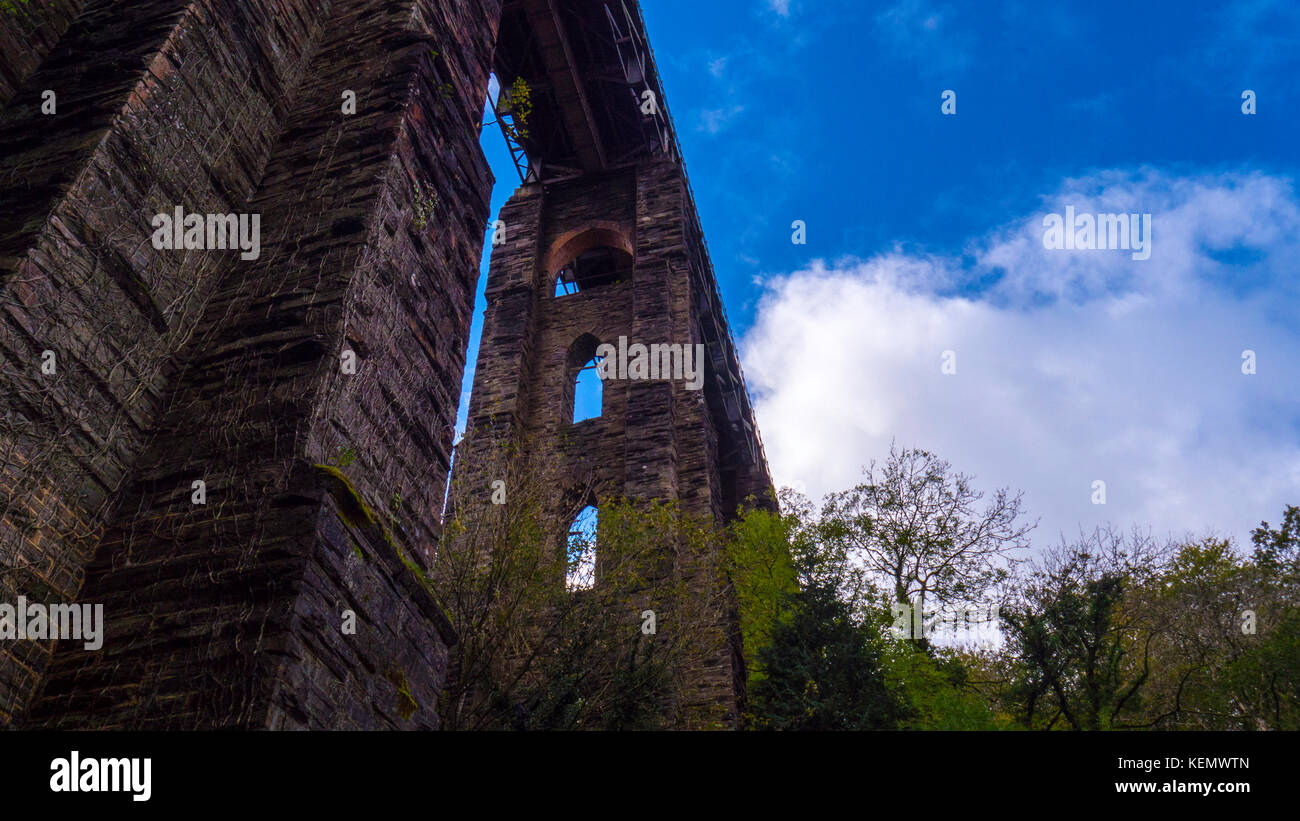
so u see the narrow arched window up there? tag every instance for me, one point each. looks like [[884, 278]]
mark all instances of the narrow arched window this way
[[580, 553], [586, 394]]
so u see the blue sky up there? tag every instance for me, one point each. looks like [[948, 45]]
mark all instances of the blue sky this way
[[923, 236]]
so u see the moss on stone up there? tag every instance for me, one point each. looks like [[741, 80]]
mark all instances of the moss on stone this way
[[356, 513], [351, 504], [406, 703], [13, 7]]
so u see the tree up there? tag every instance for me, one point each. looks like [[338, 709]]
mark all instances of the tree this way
[[1279, 550], [938, 688], [1267, 678], [1226, 656], [762, 573], [914, 525], [1197, 598], [823, 670], [1080, 651]]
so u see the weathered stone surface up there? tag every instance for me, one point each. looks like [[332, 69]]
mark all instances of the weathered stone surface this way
[[323, 487], [184, 366], [653, 439], [28, 30], [77, 274]]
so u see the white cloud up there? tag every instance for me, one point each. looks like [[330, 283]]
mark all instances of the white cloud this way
[[781, 7], [1072, 367], [714, 120], [922, 31]]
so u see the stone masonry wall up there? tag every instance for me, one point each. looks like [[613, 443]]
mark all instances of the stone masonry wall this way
[[237, 457], [28, 30], [653, 439], [227, 614], [78, 276]]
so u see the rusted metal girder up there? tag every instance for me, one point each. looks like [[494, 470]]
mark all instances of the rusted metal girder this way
[[566, 83]]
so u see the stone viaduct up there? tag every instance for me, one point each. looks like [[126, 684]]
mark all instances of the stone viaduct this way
[[187, 435]]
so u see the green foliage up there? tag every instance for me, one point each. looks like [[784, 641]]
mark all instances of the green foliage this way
[[425, 204], [822, 667], [763, 577], [1072, 627], [1108, 632], [1224, 633], [1265, 681], [822, 660], [1208, 563], [344, 457], [570, 694], [520, 103], [535, 653], [822, 671], [1072, 658], [15, 7], [937, 691], [1279, 550], [406, 703]]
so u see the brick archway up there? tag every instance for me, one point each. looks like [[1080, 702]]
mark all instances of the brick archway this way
[[572, 244]]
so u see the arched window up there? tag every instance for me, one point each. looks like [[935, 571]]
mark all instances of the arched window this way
[[580, 553], [592, 269], [588, 392], [586, 395]]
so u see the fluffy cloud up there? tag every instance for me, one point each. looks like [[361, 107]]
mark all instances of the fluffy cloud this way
[[1071, 366], [713, 121], [924, 32]]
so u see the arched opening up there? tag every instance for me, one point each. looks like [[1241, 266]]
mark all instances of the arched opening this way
[[580, 550], [589, 257], [593, 269], [586, 392]]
